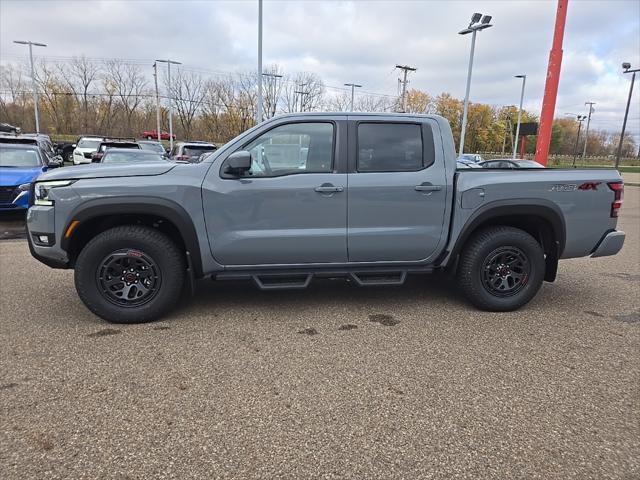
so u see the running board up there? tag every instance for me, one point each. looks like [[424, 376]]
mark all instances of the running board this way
[[301, 278]]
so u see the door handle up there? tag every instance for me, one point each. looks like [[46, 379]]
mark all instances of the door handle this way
[[427, 187], [328, 189]]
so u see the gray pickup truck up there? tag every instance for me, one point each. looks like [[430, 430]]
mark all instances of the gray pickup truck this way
[[368, 197]]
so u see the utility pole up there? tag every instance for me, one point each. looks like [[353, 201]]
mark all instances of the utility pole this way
[[155, 80], [33, 77], [353, 88], [580, 119], [586, 132], [406, 69], [169, 63], [551, 85], [259, 106], [627, 67], [301, 92]]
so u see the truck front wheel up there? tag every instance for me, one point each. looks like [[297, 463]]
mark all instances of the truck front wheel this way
[[130, 274], [501, 268]]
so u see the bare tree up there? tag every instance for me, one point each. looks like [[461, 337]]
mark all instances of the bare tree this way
[[303, 93], [13, 95], [130, 85], [187, 90], [80, 75]]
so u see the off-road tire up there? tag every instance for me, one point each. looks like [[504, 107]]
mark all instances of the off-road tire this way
[[480, 249], [166, 260]]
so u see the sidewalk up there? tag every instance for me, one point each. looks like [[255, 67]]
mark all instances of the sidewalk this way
[[631, 178]]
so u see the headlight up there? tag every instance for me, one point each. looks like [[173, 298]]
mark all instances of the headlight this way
[[42, 190]]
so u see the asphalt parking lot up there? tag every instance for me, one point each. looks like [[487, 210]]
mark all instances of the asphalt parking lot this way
[[332, 382]]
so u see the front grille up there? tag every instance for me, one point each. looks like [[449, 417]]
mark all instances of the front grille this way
[[87, 154], [7, 194]]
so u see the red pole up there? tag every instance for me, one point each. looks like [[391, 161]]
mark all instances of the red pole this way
[[551, 85], [523, 144]]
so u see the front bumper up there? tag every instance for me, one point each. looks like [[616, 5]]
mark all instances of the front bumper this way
[[610, 244], [40, 222]]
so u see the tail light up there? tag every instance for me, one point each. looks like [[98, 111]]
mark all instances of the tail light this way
[[618, 191]]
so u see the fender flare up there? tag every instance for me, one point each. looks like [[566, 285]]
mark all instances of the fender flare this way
[[160, 207], [544, 209]]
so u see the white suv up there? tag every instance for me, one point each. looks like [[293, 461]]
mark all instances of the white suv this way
[[84, 148]]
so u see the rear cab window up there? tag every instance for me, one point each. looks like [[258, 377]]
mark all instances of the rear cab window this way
[[394, 147]]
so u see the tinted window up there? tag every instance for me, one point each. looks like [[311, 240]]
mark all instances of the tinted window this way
[[196, 151], [389, 147], [153, 147], [89, 143], [293, 148], [120, 156]]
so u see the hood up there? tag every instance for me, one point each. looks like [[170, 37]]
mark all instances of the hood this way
[[98, 170], [10, 176]]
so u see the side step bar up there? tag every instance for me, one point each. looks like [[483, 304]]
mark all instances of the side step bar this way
[[277, 280]]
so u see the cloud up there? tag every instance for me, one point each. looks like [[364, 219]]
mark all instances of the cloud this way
[[359, 41]]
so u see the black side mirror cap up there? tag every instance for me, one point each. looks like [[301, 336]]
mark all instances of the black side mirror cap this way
[[238, 163]]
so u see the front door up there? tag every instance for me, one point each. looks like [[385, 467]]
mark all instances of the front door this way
[[397, 192], [290, 208]]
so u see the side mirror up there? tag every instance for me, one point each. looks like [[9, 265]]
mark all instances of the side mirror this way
[[238, 163], [56, 162]]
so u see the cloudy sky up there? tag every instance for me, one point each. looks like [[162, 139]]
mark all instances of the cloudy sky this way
[[359, 41]]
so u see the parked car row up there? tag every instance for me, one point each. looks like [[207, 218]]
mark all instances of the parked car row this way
[[90, 149], [23, 157]]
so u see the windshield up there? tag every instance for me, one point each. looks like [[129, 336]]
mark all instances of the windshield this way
[[19, 158], [89, 143], [197, 151], [118, 156], [152, 147]]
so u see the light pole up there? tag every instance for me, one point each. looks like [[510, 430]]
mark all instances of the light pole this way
[[515, 143], [627, 69], [259, 106], [353, 88], [33, 77], [478, 22], [169, 63], [155, 80]]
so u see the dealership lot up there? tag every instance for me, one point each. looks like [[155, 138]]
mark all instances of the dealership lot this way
[[330, 382]]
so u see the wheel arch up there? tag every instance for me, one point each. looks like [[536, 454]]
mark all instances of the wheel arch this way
[[540, 218], [96, 216]]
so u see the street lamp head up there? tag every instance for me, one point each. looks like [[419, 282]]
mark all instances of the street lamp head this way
[[465, 31], [520, 76], [486, 19], [475, 18], [625, 65]]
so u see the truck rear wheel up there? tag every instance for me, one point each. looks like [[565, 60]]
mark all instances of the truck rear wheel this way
[[130, 274], [501, 268]]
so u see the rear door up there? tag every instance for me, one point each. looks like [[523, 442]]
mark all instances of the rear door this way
[[291, 207], [397, 190]]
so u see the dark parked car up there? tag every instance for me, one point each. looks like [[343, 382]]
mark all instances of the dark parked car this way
[[507, 163], [107, 144], [191, 151], [131, 155]]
